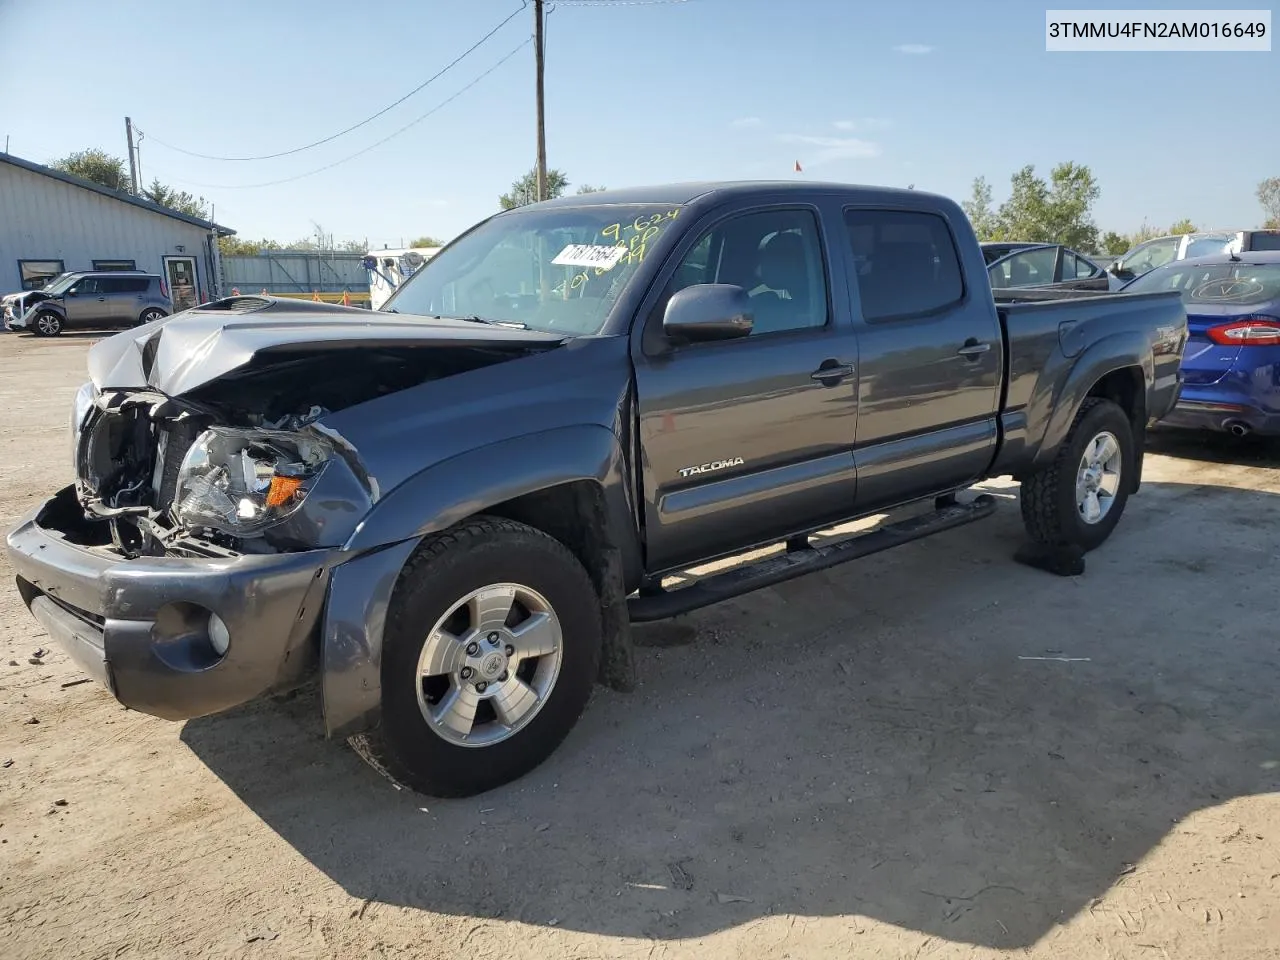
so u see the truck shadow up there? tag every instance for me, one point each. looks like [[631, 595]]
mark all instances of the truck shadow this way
[[883, 740]]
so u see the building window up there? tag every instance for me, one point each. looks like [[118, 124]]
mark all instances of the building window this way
[[115, 265], [36, 273]]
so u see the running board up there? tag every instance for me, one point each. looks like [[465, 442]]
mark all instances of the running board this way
[[660, 604]]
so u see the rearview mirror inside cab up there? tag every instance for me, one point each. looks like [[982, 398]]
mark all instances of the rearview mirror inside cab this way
[[708, 311]]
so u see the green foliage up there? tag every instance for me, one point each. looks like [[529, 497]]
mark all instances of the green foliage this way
[[1113, 243], [1057, 211], [978, 209], [525, 190], [178, 200], [588, 188], [1182, 226], [426, 241], [96, 165], [1269, 197], [238, 246]]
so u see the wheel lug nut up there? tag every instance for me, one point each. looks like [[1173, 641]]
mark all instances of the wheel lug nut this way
[[511, 651], [493, 638], [472, 649], [466, 673], [481, 686]]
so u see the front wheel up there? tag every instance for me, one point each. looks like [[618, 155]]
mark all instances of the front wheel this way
[[491, 646], [1078, 497], [47, 324]]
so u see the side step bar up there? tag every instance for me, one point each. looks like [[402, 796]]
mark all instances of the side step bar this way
[[661, 604]]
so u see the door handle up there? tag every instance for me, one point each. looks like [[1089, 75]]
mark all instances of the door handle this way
[[831, 372], [102, 299], [972, 349]]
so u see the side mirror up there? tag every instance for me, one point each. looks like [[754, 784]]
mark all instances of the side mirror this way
[[708, 311], [73, 292]]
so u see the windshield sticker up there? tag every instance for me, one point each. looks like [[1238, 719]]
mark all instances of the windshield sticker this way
[[596, 255]]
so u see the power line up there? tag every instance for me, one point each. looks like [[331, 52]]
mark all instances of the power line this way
[[443, 103], [355, 126]]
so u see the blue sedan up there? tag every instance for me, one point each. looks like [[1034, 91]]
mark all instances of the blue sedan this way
[[1231, 367]]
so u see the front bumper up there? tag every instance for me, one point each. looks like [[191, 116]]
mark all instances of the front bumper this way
[[140, 627]]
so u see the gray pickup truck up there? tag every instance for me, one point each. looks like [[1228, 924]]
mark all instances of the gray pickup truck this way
[[453, 509]]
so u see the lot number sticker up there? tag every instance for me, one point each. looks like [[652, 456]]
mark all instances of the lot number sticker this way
[[600, 256]]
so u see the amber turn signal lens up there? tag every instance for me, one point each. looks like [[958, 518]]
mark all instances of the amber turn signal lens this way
[[282, 490]]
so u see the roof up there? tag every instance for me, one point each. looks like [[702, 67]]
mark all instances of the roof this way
[[682, 193], [113, 194], [1249, 256]]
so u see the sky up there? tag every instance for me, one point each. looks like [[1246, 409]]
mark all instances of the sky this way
[[643, 91]]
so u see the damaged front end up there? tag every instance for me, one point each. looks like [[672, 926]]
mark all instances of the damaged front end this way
[[163, 476]]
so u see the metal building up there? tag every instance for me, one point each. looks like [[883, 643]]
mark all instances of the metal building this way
[[51, 222]]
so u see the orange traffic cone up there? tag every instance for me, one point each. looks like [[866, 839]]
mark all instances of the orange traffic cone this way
[[346, 298], [315, 295]]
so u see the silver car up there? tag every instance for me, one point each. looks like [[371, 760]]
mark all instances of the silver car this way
[[94, 299]]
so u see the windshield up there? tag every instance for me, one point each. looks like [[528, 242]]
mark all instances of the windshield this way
[[59, 285], [558, 270], [1224, 284]]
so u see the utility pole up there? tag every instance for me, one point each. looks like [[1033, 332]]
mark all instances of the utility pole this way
[[133, 166], [542, 132]]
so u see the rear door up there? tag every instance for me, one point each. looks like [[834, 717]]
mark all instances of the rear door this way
[[931, 356], [1079, 273], [748, 440]]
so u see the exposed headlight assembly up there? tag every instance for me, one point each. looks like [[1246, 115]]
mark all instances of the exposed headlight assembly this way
[[80, 408], [241, 482]]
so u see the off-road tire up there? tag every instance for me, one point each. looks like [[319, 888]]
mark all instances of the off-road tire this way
[[445, 568], [1049, 510]]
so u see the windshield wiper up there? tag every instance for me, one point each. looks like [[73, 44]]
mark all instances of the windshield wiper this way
[[514, 324]]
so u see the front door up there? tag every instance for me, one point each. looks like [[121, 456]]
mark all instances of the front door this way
[[85, 303], [931, 357], [183, 288], [742, 440]]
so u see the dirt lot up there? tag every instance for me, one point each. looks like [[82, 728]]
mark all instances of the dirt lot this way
[[869, 762]]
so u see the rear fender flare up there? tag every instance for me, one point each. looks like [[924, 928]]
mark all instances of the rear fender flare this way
[[431, 501], [1115, 352]]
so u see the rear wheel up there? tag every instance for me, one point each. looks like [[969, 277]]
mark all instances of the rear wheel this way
[[47, 324], [151, 315], [491, 647], [1078, 498]]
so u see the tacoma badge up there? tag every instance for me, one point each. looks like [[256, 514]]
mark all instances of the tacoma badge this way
[[713, 465]]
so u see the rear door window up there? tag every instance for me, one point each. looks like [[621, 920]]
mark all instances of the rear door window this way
[[906, 263]]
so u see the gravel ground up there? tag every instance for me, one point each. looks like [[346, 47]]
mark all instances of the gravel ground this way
[[869, 762]]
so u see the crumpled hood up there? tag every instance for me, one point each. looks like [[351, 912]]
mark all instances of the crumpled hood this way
[[187, 350]]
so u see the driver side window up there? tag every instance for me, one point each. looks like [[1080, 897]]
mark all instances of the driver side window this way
[[85, 287], [776, 256], [1155, 254]]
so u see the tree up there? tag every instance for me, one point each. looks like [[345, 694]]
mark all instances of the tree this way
[[588, 188], [95, 165], [426, 240], [178, 200], [1113, 243], [1182, 226], [525, 190], [1269, 197], [237, 246], [978, 209], [1055, 212]]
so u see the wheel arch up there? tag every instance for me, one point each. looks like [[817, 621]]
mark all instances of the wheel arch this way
[[571, 485], [1117, 368]]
